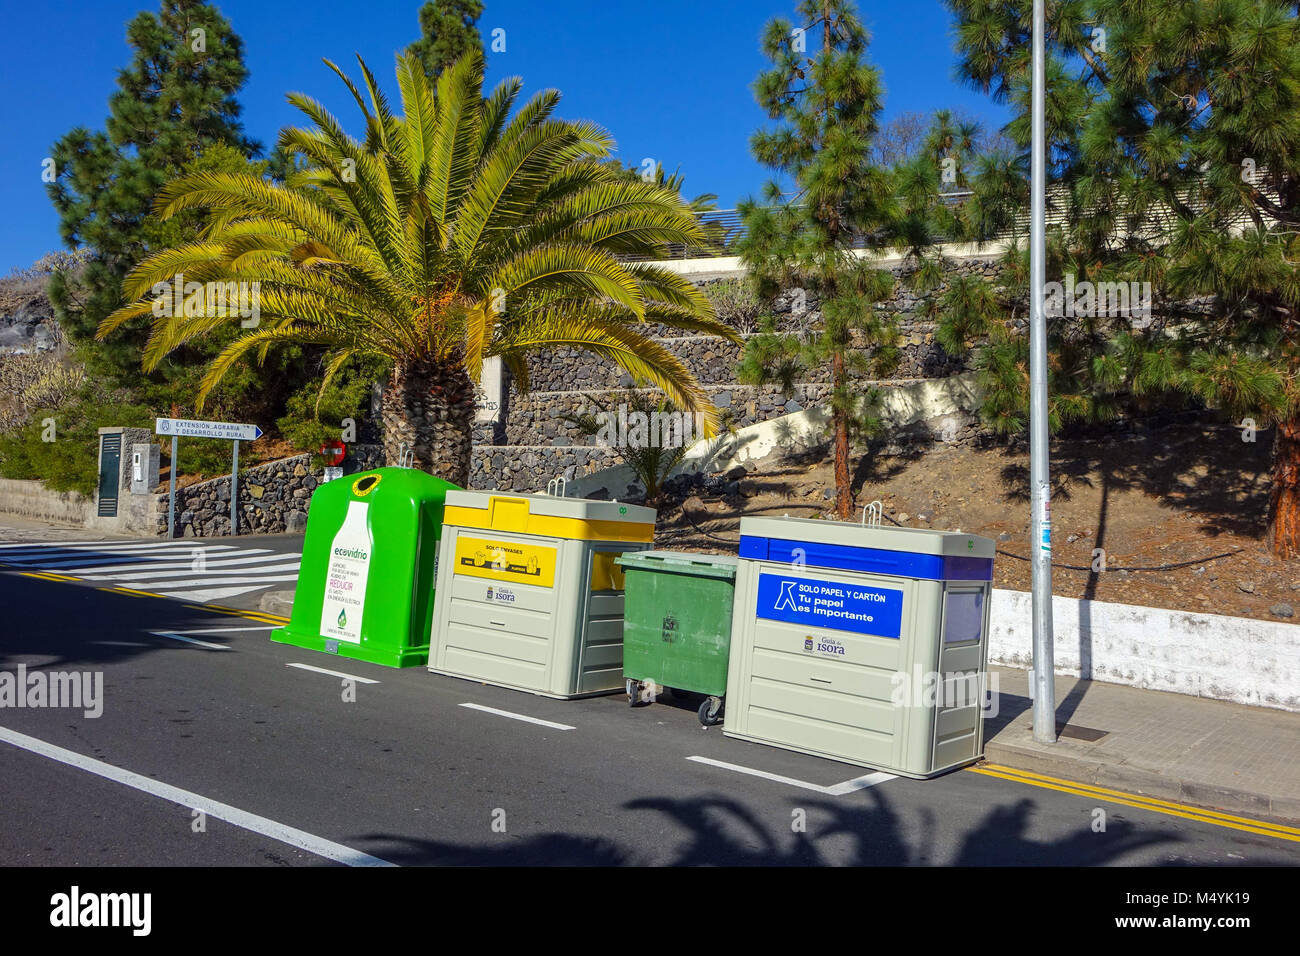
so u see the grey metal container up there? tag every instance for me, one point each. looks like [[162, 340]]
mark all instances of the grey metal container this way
[[528, 595], [861, 643]]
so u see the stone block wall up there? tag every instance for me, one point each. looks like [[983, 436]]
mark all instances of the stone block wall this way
[[273, 497], [534, 442]]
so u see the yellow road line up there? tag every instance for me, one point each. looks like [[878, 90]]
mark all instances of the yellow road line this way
[[261, 616], [48, 576], [1153, 804], [131, 591]]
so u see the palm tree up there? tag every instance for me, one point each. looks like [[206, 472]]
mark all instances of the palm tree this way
[[461, 230]]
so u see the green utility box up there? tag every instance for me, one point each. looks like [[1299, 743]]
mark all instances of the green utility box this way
[[677, 625], [369, 563]]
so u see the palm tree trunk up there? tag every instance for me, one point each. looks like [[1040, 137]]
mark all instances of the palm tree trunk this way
[[1284, 501], [430, 409]]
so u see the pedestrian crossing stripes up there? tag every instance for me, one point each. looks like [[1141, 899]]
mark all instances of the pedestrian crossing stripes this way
[[189, 570]]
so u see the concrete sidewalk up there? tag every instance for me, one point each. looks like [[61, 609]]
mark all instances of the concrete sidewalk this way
[[1208, 753]]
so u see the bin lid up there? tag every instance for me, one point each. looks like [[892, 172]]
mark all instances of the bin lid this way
[[391, 488], [681, 562], [582, 519], [407, 479], [851, 546]]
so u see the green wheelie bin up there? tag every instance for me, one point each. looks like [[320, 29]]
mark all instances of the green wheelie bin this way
[[677, 626], [369, 563]]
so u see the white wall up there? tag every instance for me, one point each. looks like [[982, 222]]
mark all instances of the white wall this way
[[1243, 660], [718, 267]]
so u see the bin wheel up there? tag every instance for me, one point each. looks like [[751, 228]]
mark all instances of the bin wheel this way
[[635, 693], [711, 711]]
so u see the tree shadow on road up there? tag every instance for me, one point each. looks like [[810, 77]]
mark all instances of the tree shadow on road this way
[[864, 829], [71, 625]]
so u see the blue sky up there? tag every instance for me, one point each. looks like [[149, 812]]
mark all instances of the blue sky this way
[[670, 79]]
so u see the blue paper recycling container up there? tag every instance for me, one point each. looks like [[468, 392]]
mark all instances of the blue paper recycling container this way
[[861, 643]]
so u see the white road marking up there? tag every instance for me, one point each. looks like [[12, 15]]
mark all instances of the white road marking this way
[[860, 783], [203, 596], [20, 545], [177, 568], [221, 630], [74, 546], [91, 559], [837, 790], [191, 640], [162, 562], [321, 670], [165, 567], [523, 717], [122, 643], [143, 580], [185, 798]]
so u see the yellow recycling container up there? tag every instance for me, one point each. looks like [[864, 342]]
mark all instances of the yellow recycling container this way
[[528, 594]]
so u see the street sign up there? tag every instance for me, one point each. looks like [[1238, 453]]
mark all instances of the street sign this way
[[334, 452], [186, 428]]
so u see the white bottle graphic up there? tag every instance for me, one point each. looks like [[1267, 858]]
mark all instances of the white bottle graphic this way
[[345, 582]]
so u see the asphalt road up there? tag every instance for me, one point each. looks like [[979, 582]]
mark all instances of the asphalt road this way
[[288, 770]]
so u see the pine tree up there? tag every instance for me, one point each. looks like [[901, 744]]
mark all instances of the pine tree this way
[[175, 99], [448, 31], [825, 99], [1174, 133]]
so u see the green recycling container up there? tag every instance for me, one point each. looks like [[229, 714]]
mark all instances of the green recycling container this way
[[369, 562], [677, 625]]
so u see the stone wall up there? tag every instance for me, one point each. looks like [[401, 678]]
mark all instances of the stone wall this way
[[539, 417], [534, 442], [273, 497], [528, 468], [713, 360]]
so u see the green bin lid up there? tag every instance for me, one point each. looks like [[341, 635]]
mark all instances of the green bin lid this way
[[680, 562]]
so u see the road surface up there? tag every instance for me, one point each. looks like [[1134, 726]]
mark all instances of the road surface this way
[[217, 746]]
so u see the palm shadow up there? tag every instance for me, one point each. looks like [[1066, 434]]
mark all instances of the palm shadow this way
[[862, 829]]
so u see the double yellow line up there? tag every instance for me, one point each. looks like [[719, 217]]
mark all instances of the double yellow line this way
[[261, 617], [1168, 807], [48, 576]]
